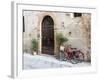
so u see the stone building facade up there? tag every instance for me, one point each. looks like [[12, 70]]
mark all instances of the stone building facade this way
[[75, 26]]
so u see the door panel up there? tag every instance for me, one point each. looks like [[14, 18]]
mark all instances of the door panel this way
[[48, 35]]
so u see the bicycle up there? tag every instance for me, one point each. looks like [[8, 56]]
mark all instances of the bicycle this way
[[75, 56]]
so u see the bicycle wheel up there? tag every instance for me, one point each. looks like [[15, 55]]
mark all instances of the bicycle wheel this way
[[74, 61], [79, 57]]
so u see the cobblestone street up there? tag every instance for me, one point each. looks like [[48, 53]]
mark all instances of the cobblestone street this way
[[47, 61]]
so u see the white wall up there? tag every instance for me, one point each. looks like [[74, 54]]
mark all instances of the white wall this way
[[5, 40]]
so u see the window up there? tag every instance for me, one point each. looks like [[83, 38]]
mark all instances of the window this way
[[77, 14]]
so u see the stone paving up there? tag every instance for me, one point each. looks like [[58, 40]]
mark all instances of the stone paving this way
[[47, 61]]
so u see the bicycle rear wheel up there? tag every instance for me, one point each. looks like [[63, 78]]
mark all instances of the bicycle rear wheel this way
[[79, 57]]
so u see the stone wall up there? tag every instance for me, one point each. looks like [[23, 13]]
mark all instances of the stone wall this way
[[76, 29]]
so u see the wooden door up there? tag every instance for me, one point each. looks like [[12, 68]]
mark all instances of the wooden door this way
[[48, 35]]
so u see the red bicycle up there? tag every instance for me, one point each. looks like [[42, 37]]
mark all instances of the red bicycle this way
[[74, 55]]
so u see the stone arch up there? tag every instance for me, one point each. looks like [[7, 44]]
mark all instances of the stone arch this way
[[56, 24], [47, 32]]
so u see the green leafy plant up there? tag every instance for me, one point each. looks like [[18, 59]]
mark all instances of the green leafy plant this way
[[61, 39], [34, 45]]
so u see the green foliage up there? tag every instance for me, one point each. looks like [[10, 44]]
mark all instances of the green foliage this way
[[34, 45], [61, 39]]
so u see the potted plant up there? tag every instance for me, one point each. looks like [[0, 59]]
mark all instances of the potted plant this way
[[61, 39], [34, 46]]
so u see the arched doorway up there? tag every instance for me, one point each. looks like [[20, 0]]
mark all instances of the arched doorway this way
[[47, 35]]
